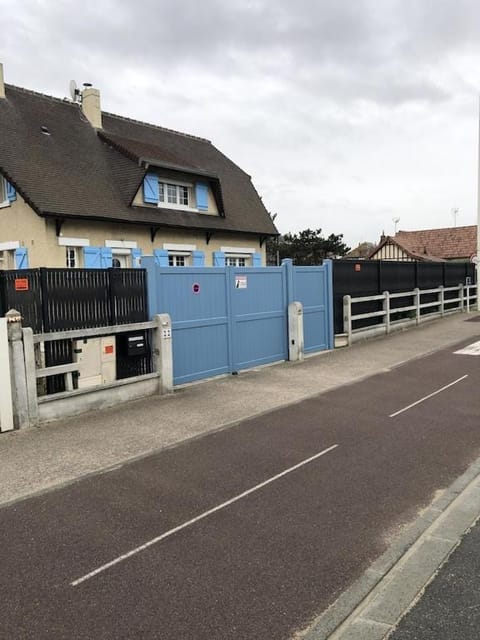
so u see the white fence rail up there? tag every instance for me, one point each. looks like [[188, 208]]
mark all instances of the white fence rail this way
[[464, 300]]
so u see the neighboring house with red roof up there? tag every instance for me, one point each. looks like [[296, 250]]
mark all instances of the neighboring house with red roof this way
[[428, 245], [83, 188]]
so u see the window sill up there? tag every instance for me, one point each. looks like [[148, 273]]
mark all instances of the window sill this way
[[179, 207]]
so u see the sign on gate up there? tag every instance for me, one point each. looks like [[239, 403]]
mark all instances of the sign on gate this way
[[6, 411]]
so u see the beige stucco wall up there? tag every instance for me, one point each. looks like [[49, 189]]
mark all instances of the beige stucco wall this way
[[20, 223]]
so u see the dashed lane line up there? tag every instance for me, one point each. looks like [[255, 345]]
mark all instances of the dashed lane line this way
[[430, 395], [203, 515]]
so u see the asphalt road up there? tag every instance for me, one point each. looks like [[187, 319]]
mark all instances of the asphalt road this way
[[275, 555]]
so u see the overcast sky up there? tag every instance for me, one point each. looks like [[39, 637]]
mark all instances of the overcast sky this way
[[346, 113]]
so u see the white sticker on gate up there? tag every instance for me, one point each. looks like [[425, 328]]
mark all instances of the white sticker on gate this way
[[471, 350]]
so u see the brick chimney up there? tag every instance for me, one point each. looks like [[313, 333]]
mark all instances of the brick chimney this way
[[91, 106], [2, 85]]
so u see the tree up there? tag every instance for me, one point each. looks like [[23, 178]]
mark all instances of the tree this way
[[307, 247]]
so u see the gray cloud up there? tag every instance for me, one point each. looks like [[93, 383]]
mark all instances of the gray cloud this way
[[339, 107]]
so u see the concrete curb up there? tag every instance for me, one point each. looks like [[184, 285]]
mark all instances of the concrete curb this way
[[372, 607]]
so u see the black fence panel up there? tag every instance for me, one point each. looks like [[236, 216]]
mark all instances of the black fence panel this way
[[373, 277], [128, 295], [52, 300], [356, 279], [20, 290], [75, 298]]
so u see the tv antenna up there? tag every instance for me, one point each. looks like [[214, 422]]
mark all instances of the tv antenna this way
[[455, 211], [395, 221], [74, 91]]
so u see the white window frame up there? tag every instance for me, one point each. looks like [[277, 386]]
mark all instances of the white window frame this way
[[238, 250], [8, 249], [69, 252], [234, 260], [174, 257], [164, 204], [175, 249], [4, 201], [234, 253]]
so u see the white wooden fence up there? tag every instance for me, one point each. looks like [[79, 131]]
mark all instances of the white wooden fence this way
[[465, 299]]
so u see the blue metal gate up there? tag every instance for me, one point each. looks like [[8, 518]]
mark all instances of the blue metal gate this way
[[258, 319], [312, 286], [225, 319]]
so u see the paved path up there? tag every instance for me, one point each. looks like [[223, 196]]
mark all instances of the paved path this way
[[247, 532]]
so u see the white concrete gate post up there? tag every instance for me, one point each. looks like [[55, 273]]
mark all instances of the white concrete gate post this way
[[6, 406]]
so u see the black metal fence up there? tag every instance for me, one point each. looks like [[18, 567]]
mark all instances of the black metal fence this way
[[62, 299], [372, 277]]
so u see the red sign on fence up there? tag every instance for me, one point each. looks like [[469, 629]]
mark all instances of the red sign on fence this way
[[21, 284]]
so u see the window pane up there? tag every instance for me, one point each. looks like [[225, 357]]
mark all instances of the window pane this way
[[177, 261], [71, 255], [183, 193], [161, 192], [172, 193]]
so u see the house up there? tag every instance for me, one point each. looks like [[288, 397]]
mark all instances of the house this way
[[428, 245], [84, 188], [361, 252]]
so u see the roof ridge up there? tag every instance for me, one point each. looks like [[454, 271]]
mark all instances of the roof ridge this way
[[466, 226], [42, 95], [108, 113], [155, 126]]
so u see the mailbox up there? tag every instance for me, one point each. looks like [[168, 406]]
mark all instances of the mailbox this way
[[131, 345], [136, 345]]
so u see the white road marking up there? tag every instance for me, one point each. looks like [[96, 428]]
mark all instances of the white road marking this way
[[471, 350], [169, 533], [430, 395]]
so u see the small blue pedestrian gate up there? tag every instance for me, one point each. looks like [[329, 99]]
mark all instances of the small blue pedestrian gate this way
[[225, 319]]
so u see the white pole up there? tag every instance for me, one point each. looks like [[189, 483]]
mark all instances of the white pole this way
[[478, 212]]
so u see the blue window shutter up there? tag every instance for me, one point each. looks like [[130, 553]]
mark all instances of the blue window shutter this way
[[201, 195], [21, 258], [11, 192], [92, 257], [218, 259], [136, 257], [161, 257], [106, 257], [257, 260], [150, 188], [198, 258]]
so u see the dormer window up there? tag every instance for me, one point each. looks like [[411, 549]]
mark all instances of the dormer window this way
[[168, 193]]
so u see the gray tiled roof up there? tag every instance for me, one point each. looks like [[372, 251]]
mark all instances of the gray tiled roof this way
[[77, 172]]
